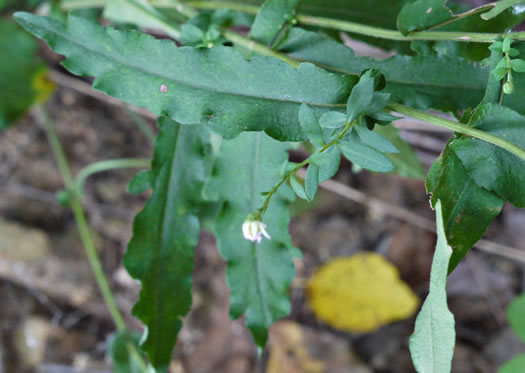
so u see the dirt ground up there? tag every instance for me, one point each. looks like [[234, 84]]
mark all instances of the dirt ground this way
[[52, 318]]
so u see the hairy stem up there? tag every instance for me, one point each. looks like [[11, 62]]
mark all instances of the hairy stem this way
[[81, 221]]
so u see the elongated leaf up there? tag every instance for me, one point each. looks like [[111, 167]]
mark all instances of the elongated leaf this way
[[191, 86], [258, 274], [375, 140], [406, 162], [365, 156], [22, 76], [515, 313], [467, 208], [311, 183], [160, 253], [490, 166], [360, 97], [272, 17], [434, 337], [441, 82]]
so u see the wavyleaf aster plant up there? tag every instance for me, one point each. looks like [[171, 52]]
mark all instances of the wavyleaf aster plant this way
[[230, 105]]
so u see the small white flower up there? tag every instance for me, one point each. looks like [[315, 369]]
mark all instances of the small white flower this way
[[254, 230]]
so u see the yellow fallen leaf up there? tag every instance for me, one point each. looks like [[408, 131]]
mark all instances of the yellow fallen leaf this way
[[42, 86], [360, 294]]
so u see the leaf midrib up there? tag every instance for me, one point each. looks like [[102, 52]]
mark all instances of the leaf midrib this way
[[165, 233], [182, 82]]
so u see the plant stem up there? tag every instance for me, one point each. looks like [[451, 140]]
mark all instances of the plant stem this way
[[110, 164], [260, 211], [433, 119], [188, 10], [458, 127], [377, 32], [81, 220]]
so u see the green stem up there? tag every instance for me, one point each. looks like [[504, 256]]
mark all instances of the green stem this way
[[261, 210], [458, 127], [433, 119], [188, 10], [110, 164], [377, 32], [81, 221]]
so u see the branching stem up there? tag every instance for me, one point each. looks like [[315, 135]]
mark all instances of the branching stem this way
[[81, 221], [292, 172]]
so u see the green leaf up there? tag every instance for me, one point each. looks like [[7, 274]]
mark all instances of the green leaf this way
[[515, 313], [311, 182], [190, 34], [492, 167], [440, 82], [518, 65], [364, 156], [138, 12], [406, 162], [298, 188], [132, 66], [375, 140], [467, 208], [160, 253], [500, 73], [310, 125], [421, 14], [360, 97], [327, 163], [417, 18], [505, 46], [258, 274], [332, 119], [22, 75], [273, 16], [514, 365], [432, 343], [119, 351], [140, 183], [499, 7]]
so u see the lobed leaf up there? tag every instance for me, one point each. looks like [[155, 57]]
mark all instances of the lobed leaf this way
[[432, 343], [258, 274], [467, 209], [216, 86], [440, 82], [160, 253], [492, 167]]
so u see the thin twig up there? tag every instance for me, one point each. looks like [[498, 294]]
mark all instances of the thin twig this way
[[412, 218]]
